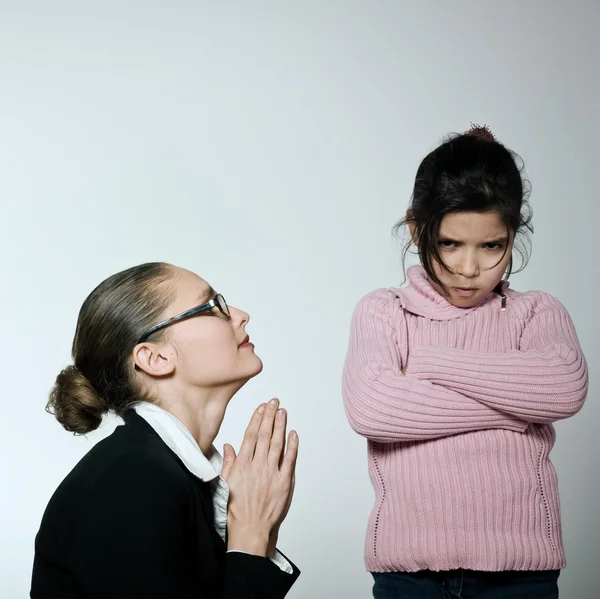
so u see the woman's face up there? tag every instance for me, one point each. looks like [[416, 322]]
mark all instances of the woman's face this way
[[211, 349]]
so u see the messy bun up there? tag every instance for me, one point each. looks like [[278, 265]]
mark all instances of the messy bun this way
[[110, 322], [75, 403]]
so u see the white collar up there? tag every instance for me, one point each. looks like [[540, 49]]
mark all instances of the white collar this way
[[179, 439]]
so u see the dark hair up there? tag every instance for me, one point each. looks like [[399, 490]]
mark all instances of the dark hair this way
[[110, 322], [472, 172]]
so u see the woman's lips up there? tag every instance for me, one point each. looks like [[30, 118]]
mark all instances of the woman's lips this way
[[246, 343]]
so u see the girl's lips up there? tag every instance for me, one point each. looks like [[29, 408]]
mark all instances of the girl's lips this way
[[465, 292]]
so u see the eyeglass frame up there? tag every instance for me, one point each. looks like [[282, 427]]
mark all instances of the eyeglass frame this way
[[205, 307]]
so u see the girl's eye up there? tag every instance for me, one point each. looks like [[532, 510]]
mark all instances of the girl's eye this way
[[446, 243], [493, 246]]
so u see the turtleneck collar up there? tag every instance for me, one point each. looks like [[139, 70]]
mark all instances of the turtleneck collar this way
[[421, 298]]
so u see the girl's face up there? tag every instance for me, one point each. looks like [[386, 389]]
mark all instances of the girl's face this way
[[476, 248]]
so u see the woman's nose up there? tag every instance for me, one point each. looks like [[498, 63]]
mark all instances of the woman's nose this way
[[239, 317]]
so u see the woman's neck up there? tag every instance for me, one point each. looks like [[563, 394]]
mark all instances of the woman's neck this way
[[201, 411]]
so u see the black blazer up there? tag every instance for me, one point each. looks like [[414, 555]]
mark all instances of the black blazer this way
[[130, 521]]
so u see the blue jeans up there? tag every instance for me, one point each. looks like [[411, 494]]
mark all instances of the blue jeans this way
[[466, 584]]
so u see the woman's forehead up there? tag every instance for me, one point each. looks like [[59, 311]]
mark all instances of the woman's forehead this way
[[191, 287]]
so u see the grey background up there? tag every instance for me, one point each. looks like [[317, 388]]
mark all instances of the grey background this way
[[271, 146]]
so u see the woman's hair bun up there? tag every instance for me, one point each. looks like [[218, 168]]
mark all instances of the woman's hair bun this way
[[75, 403]]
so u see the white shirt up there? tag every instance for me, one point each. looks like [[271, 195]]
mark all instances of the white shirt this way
[[181, 442]]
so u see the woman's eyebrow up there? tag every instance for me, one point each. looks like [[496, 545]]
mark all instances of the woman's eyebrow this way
[[207, 295]]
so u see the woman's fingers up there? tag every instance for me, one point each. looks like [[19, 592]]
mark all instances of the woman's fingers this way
[[278, 438], [265, 431], [251, 435], [288, 466], [228, 460], [262, 486]]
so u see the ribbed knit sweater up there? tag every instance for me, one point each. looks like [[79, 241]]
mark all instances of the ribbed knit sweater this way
[[459, 445]]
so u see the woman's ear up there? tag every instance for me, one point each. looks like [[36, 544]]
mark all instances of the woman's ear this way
[[154, 359], [412, 227]]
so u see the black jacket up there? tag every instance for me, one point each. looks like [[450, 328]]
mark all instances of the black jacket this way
[[130, 521]]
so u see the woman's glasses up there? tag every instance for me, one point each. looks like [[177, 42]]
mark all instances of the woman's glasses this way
[[217, 302]]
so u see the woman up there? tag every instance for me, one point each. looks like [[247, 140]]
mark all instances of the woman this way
[[145, 512]]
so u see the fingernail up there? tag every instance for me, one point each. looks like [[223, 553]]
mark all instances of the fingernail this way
[[261, 409], [273, 403], [280, 414]]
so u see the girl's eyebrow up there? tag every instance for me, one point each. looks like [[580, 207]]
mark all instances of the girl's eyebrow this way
[[502, 239]]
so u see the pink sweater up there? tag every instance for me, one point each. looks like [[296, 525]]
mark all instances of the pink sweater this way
[[459, 446]]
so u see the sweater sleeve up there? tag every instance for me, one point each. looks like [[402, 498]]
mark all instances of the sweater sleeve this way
[[384, 405], [545, 380]]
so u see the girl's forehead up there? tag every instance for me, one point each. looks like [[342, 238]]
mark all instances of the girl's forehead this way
[[473, 223]]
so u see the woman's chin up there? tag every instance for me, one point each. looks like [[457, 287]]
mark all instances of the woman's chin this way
[[253, 367], [258, 367]]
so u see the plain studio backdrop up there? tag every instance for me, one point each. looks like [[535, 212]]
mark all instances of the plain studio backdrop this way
[[270, 147]]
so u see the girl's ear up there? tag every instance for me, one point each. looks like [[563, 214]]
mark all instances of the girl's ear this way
[[412, 227]]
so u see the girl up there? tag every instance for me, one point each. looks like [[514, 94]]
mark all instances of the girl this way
[[148, 512], [455, 380]]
